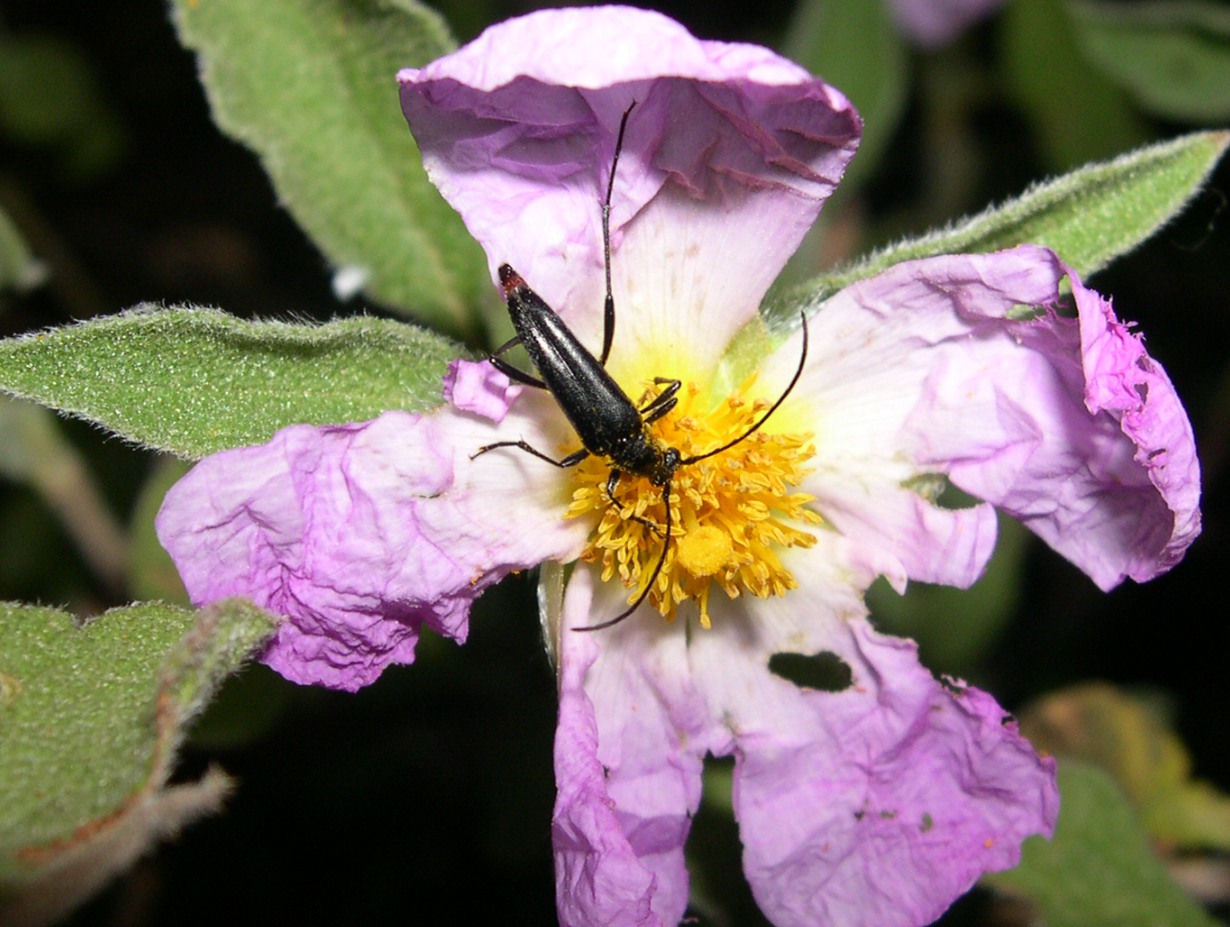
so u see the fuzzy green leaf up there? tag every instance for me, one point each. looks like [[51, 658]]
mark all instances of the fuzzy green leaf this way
[[1089, 217], [195, 381], [35, 451], [28, 439], [90, 718], [1173, 58], [310, 85], [1099, 870]]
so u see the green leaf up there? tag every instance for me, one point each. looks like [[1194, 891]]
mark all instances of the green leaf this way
[[1098, 871], [310, 85], [19, 270], [1173, 58], [1089, 217], [68, 117], [1130, 739], [195, 381], [28, 439], [1077, 114], [90, 717]]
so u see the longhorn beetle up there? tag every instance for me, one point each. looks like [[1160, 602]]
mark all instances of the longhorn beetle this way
[[608, 423]]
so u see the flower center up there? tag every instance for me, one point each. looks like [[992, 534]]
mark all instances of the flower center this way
[[731, 512]]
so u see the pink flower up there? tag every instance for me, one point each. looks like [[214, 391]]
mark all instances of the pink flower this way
[[877, 804], [932, 23]]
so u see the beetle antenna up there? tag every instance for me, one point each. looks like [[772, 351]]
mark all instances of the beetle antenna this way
[[764, 418], [608, 311], [653, 577]]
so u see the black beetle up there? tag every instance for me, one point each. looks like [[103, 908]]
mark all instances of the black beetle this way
[[606, 420]]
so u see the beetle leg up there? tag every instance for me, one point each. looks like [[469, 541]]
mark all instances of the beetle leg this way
[[507, 345], [663, 402], [513, 373], [570, 461], [611, 483]]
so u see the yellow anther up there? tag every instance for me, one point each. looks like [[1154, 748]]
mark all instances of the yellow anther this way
[[730, 513]]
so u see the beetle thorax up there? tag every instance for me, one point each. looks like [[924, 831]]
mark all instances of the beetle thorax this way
[[648, 457]]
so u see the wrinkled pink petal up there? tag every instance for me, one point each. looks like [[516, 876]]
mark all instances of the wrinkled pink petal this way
[[1122, 381], [1008, 417], [598, 877], [884, 802], [479, 388], [906, 537], [518, 131], [931, 23], [647, 730], [648, 727], [361, 534], [873, 806], [876, 805], [874, 348], [935, 366]]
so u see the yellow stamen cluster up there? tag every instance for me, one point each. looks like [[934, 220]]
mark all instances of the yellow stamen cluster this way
[[731, 512]]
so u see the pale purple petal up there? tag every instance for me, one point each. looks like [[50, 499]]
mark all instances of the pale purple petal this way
[[888, 800], [903, 535], [479, 388], [1022, 416], [931, 23], [600, 878], [874, 346], [631, 712], [876, 805], [360, 534], [518, 132], [1123, 381], [960, 365]]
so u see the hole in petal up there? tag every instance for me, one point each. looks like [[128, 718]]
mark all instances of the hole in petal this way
[[954, 498], [1022, 313], [824, 672], [939, 491], [931, 486]]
